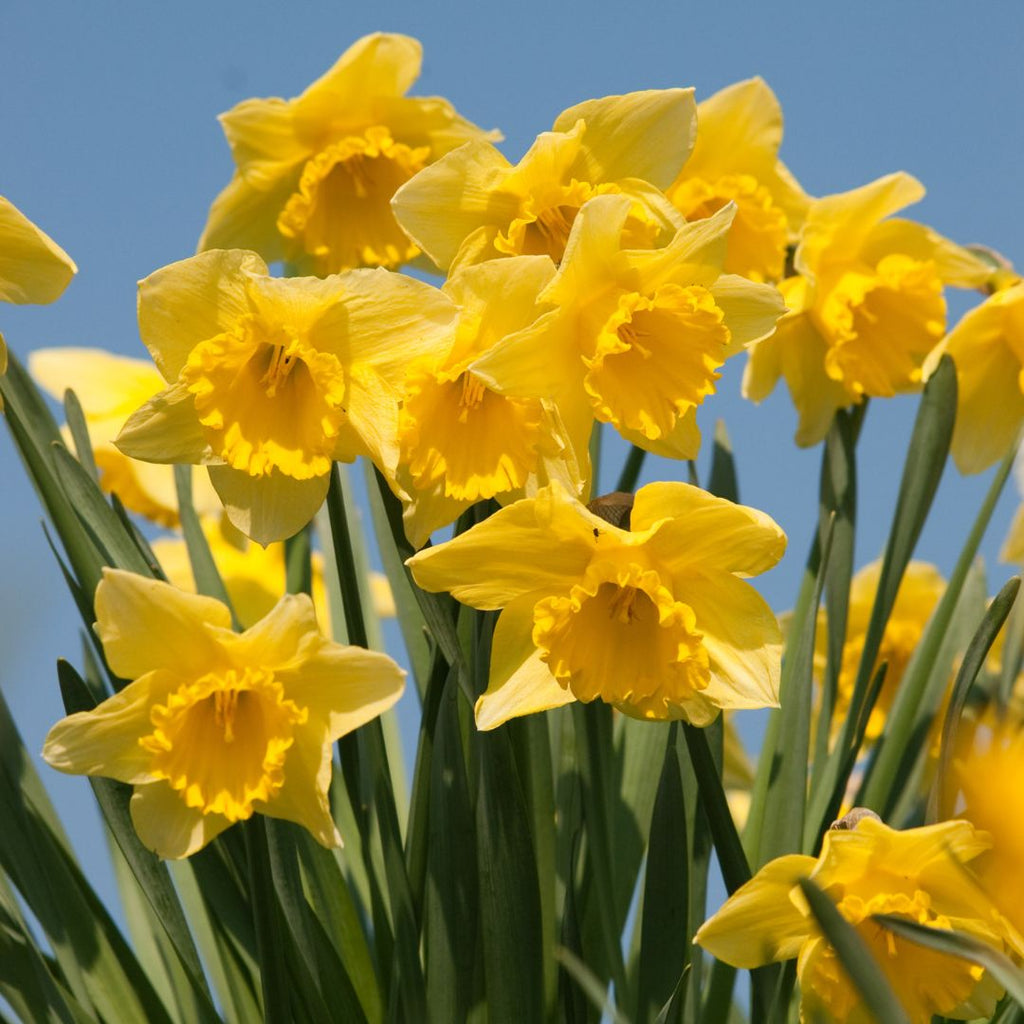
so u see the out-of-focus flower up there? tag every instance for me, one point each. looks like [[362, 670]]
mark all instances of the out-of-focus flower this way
[[636, 336], [462, 442], [473, 205], [1013, 545], [654, 618], [271, 379], [255, 577], [735, 159], [866, 306], [109, 388], [987, 347], [315, 174], [871, 869], [33, 267], [919, 592], [217, 725]]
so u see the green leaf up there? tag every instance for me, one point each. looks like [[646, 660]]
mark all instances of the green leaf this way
[[630, 473], [590, 984], [1000, 966], [672, 1011], [722, 478], [855, 957], [79, 433]]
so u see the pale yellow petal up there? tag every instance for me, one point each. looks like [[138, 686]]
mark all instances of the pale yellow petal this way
[[283, 638], [644, 135], [700, 530], [694, 256], [245, 217], [520, 683], [681, 442], [542, 543], [190, 301], [751, 310], [165, 429], [427, 511], [1013, 547], [168, 826], [953, 263], [146, 624], [261, 134], [270, 507], [448, 200], [33, 267], [759, 922]]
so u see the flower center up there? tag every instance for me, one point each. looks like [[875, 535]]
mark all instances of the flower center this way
[[880, 325], [221, 741], [759, 232], [455, 430], [655, 358], [621, 636], [267, 400], [341, 215]]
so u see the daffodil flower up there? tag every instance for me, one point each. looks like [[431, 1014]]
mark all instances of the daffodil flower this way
[[218, 725], [735, 159], [654, 619], [473, 205], [871, 869], [865, 307], [315, 174], [33, 267], [462, 442], [635, 337], [271, 379], [109, 388]]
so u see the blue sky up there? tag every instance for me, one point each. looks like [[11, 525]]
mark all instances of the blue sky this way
[[111, 144]]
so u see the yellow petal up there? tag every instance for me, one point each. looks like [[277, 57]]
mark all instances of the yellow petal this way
[[1013, 547], [166, 429], [281, 638], [245, 217], [644, 135], [269, 507], [146, 624], [541, 543], [954, 264], [700, 530], [261, 134], [759, 922], [519, 683], [33, 267], [751, 310], [681, 442], [168, 826], [105, 741], [192, 300]]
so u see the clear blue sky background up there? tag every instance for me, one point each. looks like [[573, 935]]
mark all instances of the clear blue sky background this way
[[111, 143]]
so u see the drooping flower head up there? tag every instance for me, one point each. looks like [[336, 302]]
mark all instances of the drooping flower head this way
[[865, 307], [218, 725], [653, 617], [315, 174], [109, 389], [462, 442], [871, 869], [271, 379], [474, 205], [735, 159], [635, 337]]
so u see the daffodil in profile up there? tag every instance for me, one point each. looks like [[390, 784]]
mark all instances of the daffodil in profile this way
[[634, 337], [735, 159], [270, 379], [654, 616], [474, 205], [987, 348], [462, 442], [315, 174], [216, 725], [866, 305], [109, 389], [918, 874]]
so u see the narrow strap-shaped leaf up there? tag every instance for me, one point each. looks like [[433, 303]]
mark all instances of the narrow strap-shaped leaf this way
[[298, 562], [855, 957], [79, 433], [590, 984], [672, 1011], [722, 478], [630, 472], [1000, 966], [572, 1002]]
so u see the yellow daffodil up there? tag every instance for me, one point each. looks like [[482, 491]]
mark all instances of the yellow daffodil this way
[[987, 347], [315, 174], [919, 592], [271, 379], [635, 337], [33, 267], [865, 307], [216, 725], [109, 388], [653, 618], [462, 442], [473, 205], [871, 869], [735, 159], [255, 576]]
